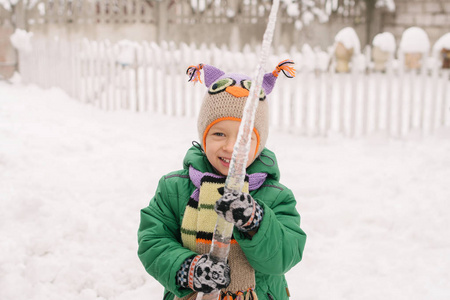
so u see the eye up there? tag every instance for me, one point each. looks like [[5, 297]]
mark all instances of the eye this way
[[247, 84], [221, 85]]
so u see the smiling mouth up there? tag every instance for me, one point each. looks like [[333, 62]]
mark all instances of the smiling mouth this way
[[225, 160]]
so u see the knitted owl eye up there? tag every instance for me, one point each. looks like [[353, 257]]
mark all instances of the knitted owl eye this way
[[221, 85], [246, 84]]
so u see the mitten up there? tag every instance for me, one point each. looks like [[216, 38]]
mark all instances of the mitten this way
[[240, 209], [203, 274]]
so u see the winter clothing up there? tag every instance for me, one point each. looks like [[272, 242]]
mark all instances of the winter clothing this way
[[200, 219], [227, 95], [204, 274], [240, 209], [275, 248]]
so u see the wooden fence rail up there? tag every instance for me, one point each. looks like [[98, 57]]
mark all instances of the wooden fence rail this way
[[151, 77]]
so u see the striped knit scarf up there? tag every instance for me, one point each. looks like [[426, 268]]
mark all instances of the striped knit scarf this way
[[199, 221]]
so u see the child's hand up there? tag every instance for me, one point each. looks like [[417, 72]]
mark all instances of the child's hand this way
[[203, 274], [240, 209]]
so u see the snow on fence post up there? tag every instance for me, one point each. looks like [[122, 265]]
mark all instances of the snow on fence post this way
[[95, 97], [183, 92], [129, 80], [75, 55], [136, 79], [400, 95], [330, 80], [172, 78], [445, 107], [354, 97], [355, 103], [153, 68], [342, 101], [108, 74], [115, 84], [162, 78], [144, 66], [98, 66], [433, 106], [122, 82], [423, 107], [83, 63], [318, 102], [389, 79], [93, 74]]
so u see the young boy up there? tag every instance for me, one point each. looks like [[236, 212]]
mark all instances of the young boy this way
[[176, 228]]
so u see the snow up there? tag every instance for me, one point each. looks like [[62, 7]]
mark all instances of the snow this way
[[127, 52], [322, 60], [73, 179], [388, 4], [293, 10], [441, 43], [385, 41], [321, 15], [298, 25], [307, 17], [41, 8], [414, 39], [21, 40], [348, 37], [6, 4]]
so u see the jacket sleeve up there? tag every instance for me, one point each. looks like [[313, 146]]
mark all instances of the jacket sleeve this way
[[160, 249], [278, 245]]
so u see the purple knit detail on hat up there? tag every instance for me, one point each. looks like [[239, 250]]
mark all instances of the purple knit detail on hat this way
[[211, 74], [268, 83], [255, 180], [236, 76]]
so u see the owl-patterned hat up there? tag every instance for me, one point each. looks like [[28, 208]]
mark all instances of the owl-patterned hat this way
[[226, 97]]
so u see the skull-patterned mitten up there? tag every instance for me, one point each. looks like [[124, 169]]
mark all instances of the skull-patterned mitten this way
[[240, 209], [203, 274]]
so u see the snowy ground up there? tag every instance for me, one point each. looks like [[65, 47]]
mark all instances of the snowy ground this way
[[73, 179]]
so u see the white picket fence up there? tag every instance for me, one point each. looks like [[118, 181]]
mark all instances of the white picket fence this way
[[150, 77]]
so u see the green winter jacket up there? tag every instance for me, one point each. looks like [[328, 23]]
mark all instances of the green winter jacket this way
[[273, 250]]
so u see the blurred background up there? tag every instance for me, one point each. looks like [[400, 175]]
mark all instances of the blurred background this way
[[95, 106]]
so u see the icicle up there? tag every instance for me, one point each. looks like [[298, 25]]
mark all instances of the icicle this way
[[236, 172]]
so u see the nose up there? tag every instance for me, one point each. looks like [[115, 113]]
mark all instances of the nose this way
[[229, 144]]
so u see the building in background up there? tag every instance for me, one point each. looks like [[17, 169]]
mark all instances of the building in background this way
[[231, 22]]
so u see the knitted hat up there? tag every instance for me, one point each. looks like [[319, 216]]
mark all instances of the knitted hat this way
[[226, 97]]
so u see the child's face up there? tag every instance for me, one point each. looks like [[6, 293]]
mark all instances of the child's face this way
[[219, 144]]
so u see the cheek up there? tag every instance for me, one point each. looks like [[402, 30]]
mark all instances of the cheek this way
[[251, 153]]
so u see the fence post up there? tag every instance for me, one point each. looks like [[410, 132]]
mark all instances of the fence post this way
[[390, 78], [445, 101], [145, 85], [136, 78]]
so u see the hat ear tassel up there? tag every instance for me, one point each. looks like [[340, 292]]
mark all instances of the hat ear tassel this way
[[286, 66], [193, 72]]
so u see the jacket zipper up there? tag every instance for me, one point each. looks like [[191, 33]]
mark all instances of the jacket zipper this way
[[270, 296]]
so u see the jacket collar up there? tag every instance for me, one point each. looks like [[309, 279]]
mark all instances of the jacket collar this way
[[265, 163]]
